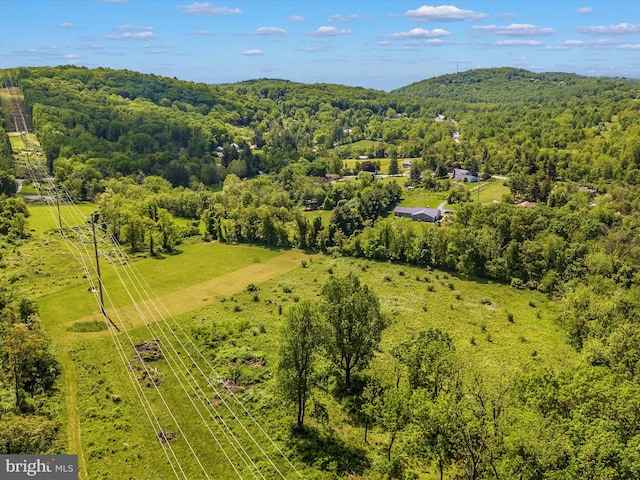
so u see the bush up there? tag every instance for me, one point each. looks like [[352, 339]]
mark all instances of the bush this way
[[27, 435]]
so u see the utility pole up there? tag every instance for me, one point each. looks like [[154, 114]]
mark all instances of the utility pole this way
[[59, 215], [95, 248]]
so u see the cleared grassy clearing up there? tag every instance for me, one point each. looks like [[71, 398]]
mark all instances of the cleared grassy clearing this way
[[354, 163], [167, 276], [489, 191], [420, 197], [120, 443], [324, 214], [43, 218]]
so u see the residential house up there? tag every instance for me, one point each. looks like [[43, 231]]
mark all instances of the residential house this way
[[419, 214], [463, 175]]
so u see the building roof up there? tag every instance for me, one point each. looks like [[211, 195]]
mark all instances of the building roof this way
[[432, 212]]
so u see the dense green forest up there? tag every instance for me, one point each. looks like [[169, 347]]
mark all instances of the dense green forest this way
[[256, 162]]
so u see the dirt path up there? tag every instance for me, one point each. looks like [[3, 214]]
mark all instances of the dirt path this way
[[74, 432]]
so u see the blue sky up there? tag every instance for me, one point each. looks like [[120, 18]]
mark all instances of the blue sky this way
[[382, 44]]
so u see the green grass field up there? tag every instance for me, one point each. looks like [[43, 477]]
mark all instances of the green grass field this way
[[43, 218], [324, 214], [420, 197], [487, 192], [205, 289], [201, 293]]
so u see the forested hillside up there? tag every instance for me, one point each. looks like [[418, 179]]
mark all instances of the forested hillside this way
[[536, 127], [286, 165]]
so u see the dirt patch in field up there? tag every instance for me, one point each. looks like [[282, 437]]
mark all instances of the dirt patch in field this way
[[165, 436], [148, 351], [148, 377]]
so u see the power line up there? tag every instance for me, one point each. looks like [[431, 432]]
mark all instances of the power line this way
[[178, 368]]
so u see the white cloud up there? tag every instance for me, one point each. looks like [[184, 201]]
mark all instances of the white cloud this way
[[308, 49], [145, 35], [422, 33], [601, 42], [442, 13], [506, 15], [67, 25], [585, 10], [204, 33], [71, 56], [619, 29], [325, 31], [271, 31], [338, 17], [91, 47], [519, 43], [252, 52], [296, 18], [630, 46], [131, 28], [207, 9], [515, 30]]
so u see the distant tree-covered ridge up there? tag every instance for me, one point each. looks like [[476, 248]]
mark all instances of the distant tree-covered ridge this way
[[513, 85], [539, 128]]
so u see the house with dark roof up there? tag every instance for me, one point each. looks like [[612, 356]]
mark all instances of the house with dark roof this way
[[463, 175], [419, 214]]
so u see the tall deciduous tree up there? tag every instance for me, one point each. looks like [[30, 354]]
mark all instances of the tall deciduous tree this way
[[29, 365], [430, 361], [301, 338], [355, 321]]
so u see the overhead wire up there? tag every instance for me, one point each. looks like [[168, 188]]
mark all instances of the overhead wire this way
[[152, 301], [146, 405]]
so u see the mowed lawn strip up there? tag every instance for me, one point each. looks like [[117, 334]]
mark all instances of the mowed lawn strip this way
[[175, 285], [43, 218]]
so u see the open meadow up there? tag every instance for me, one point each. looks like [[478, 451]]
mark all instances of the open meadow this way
[[214, 312]]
